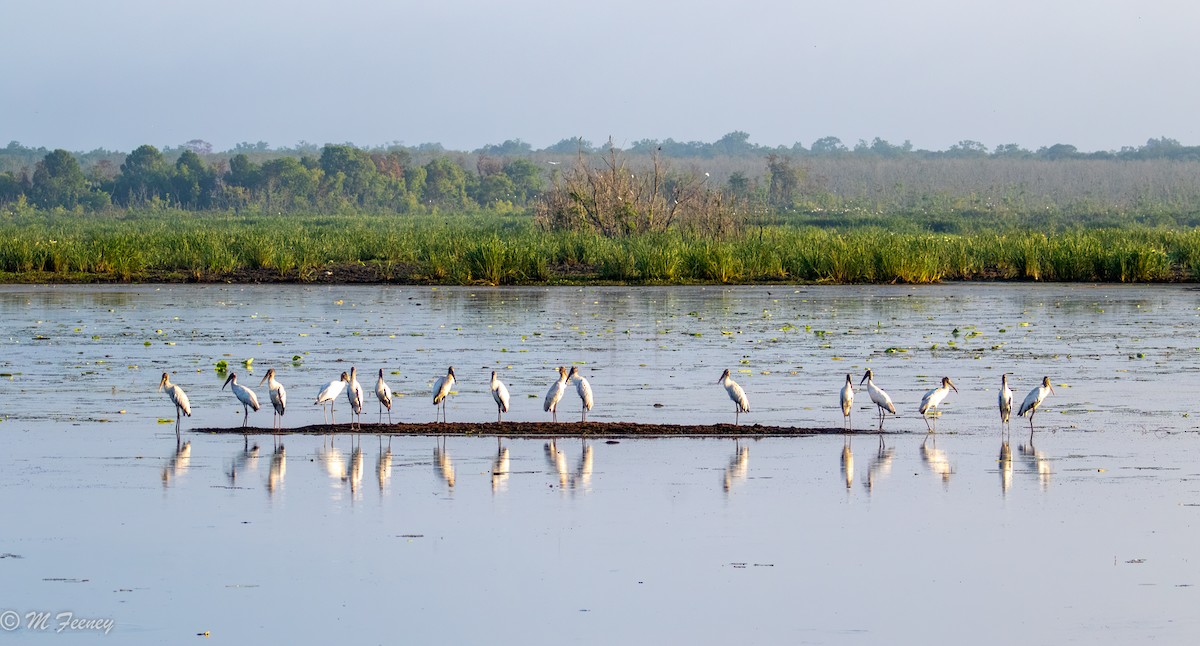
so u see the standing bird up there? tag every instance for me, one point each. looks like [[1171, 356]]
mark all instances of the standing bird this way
[[278, 398], [355, 395], [879, 398], [177, 397], [384, 393], [1033, 400], [934, 397], [848, 403], [741, 404], [441, 391], [329, 395], [1005, 399], [500, 394], [555, 394], [583, 388], [245, 395]]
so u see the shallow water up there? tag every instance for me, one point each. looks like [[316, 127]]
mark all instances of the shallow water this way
[[1084, 536]]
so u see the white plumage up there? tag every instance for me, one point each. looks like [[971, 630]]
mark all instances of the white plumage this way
[[500, 394], [1004, 400], [1035, 399], [354, 394], [935, 397], [383, 393], [847, 399], [583, 389], [441, 391], [278, 398], [330, 393], [177, 397], [741, 403], [554, 395], [878, 397], [245, 395]]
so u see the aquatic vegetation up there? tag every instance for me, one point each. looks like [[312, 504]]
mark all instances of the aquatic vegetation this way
[[165, 245]]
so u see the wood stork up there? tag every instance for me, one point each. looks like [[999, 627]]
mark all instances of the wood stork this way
[[329, 395], [354, 394], [741, 403], [933, 398], [383, 393], [245, 395], [500, 394], [278, 398], [879, 398], [177, 397], [441, 391], [1033, 400], [554, 395], [1005, 399], [847, 396], [583, 389]]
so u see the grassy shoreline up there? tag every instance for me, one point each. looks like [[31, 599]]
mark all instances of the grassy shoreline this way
[[180, 247]]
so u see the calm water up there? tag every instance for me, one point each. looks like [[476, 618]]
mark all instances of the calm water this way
[[1086, 535]]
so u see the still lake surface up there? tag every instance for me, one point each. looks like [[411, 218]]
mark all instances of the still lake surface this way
[[1087, 535]]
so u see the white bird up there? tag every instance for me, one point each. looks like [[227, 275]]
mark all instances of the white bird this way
[[583, 388], [879, 398], [1034, 399], [933, 398], [330, 393], [848, 402], [177, 397], [278, 398], [354, 394], [245, 395], [383, 393], [441, 391], [554, 395], [500, 394], [741, 404], [1005, 399]]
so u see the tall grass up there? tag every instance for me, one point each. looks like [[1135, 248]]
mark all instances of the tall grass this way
[[493, 250]]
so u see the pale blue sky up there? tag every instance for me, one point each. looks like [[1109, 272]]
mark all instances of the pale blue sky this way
[[1099, 74]]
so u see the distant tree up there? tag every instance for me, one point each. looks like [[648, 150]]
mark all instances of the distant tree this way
[[445, 183], [10, 188], [350, 172], [1011, 150], [570, 146], [967, 148], [286, 184], [243, 172], [194, 183], [527, 179], [144, 176], [1058, 151], [739, 185], [58, 181], [827, 145], [734, 144], [784, 181], [198, 146], [493, 188], [510, 147]]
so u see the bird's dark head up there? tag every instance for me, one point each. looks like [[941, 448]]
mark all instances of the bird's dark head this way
[[381, 373], [1046, 383], [946, 382], [574, 371], [232, 377], [450, 371], [163, 382], [866, 376], [345, 377], [724, 375]]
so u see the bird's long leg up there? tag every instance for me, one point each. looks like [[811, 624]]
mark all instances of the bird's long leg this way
[[927, 425], [332, 419], [881, 441]]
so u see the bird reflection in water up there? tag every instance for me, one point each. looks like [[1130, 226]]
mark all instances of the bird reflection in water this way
[[442, 465], [354, 472], [383, 465], [500, 469], [936, 459], [581, 478], [738, 467], [333, 460], [1037, 462], [244, 460], [881, 465], [178, 463], [847, 463], [1006, 466], [278, 469]]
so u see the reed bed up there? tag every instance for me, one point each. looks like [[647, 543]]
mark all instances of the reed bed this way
[[494, 250]]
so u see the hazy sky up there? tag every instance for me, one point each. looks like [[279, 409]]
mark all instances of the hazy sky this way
[[1099, 74]]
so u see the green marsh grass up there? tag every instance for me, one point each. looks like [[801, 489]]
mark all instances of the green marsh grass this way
[[501, 250]]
